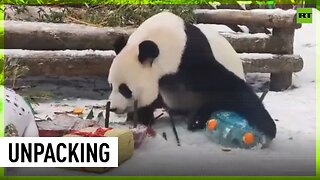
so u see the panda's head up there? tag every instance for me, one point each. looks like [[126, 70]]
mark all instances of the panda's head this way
[[152, 51]]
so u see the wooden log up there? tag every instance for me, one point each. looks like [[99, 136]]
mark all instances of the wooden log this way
[[259, 43], [77, 63], [270, 18], [59, 36], [284, 37], [271, 63], [64, 63], [50, 36]]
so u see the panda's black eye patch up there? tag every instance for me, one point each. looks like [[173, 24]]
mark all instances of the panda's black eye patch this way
[[125, 91]]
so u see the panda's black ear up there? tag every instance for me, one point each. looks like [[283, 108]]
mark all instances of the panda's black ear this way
[[120, 43], [148, 51]]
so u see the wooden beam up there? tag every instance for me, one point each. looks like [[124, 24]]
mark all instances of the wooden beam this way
[[97, 63], [64, 63], [270, 63], [270, 18], [59, 36], [259, 43], [51, 36]]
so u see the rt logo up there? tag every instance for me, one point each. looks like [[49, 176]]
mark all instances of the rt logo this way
[[304, 15]]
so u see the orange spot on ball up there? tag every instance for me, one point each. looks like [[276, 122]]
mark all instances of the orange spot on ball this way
[[248, 138], [212, 124]]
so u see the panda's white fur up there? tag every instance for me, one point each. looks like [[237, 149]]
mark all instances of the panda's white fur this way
[[167, 31], [223, 51]]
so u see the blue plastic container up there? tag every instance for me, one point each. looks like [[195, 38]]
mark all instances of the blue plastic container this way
[[231, 130]]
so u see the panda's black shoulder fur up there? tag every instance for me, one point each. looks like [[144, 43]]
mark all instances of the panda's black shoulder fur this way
[[200, 72]]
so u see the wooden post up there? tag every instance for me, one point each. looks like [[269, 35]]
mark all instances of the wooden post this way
[[282, 80], [285, 37]]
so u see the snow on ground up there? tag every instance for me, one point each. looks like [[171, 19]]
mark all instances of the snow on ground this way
[[291, 153]]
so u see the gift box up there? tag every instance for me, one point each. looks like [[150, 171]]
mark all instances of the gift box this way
[[63, 124], [125, 144]]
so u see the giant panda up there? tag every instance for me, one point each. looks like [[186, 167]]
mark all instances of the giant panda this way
[[189, 70]]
